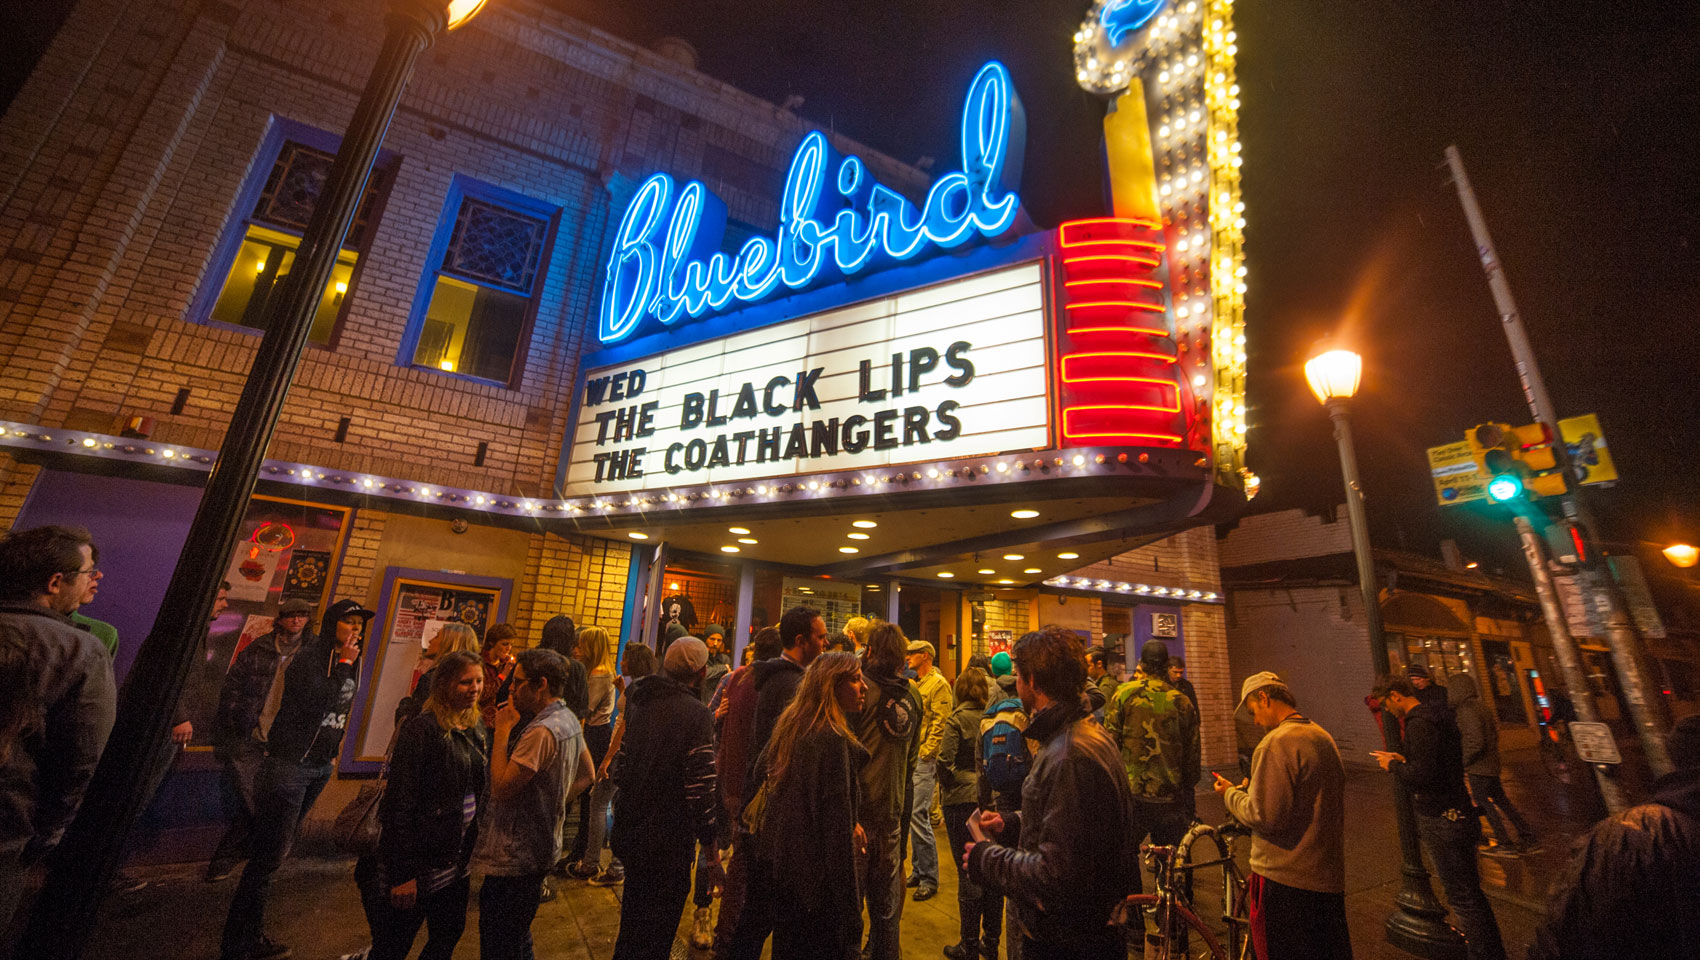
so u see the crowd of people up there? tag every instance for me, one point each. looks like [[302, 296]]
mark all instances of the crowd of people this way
[[793, 788]]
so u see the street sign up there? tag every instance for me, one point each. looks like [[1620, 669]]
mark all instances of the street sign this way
[[1458, 478], [1594, 743]]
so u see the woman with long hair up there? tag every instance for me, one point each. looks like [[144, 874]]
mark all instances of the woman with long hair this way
[[438, 783], [498, 652], [595, 649], [979, 910], [804, 819]]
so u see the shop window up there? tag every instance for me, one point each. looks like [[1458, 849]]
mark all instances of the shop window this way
[[482, 281], [262, 245]]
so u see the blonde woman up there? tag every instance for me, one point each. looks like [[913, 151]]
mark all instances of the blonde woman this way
[[437, 783], [453, 638], [596, 649]]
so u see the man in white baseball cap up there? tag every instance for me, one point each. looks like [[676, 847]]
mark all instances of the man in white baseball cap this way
[[1295, 805]]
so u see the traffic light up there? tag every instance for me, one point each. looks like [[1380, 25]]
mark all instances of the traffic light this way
[[1518, 460]]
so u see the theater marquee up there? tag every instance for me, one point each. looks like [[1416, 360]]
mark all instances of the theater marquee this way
[[955, 369]]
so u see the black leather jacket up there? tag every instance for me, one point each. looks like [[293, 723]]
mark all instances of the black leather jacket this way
[[423, 809], [1632, 888], [1077, 857]]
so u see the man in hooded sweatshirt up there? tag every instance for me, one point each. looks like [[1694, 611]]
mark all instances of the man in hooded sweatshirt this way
[[302, 743], [889, 728], [1478, 733]]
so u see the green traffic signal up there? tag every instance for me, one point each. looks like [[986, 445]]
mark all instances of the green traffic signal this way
[[1506, 486]]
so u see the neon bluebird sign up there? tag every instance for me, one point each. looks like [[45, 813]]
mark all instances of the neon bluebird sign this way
[[835, 220]]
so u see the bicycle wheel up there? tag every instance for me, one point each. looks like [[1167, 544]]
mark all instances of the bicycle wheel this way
[[1557, 761], [1223, 904], [1201, 943]]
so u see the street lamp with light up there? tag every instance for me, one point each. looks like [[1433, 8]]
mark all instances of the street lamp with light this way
[[94, 844], [1682, 555], [1417, 923]]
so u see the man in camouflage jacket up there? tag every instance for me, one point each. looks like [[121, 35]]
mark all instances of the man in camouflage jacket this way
[[1156, 728]]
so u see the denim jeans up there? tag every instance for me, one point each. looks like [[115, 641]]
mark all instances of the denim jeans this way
[[442, 913], [1451, 847], [601, 808], [882, 885], [657, 883], [924, 851], [506, 907], [1489, 794], [283, 793], [979, 909], [238, 771]]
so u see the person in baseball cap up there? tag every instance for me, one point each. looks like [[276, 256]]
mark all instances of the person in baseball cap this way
[[685, 656]]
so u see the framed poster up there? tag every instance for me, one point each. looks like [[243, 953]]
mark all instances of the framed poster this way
[[412, 608], [288, 549]]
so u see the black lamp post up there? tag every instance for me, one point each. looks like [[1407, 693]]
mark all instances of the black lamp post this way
[[1418, 923], [84, 863]]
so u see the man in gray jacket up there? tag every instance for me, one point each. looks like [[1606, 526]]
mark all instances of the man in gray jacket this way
[[1479, 734], [1295, 805], [58, 684]]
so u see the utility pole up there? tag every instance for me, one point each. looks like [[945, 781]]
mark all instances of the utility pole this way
[[1569, 659], [1652, 722]]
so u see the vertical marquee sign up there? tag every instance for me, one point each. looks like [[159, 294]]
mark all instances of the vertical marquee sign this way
[[1155, 295]]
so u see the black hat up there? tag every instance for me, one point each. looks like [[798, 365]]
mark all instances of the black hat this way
[[347, 608], [1154, 656], [1418, 670]]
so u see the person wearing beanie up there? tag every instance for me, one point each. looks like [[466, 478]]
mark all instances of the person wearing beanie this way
[[1633, 885], [719, 660], [666, 805], [1156, 728]]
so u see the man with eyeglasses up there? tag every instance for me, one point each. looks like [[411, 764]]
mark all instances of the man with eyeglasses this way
[[57, 697]]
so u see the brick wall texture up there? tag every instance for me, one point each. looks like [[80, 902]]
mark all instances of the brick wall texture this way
[[121, 163], [1284, 535]]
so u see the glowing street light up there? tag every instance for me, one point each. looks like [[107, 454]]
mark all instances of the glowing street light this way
[[1334, 374], [1682, 555]]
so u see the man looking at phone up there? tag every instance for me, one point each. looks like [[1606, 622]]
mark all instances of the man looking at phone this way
[[1295, 805]]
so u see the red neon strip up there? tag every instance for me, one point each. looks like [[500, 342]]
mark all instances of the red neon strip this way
[[1121, 243], [1110, 256], [1118, 433], [1133, 406], [1130, 304], [1148, 224], [1113, 353], [1145, 330], [1152, 284]]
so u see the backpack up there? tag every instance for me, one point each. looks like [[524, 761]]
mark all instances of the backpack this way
[[1003, 746]]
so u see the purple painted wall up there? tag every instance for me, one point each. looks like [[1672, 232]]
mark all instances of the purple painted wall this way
[[140, 527]]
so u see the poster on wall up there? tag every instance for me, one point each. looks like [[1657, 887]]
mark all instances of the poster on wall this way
[[999, 641], [250, 575], [416, 611], [307, 575]]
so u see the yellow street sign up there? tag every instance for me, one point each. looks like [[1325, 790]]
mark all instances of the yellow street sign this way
[[1588, 451], [1457, 478]]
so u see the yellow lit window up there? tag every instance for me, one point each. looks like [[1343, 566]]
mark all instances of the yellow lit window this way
[[262, 262]]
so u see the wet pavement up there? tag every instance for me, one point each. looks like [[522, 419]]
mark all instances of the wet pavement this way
[[316, 910]]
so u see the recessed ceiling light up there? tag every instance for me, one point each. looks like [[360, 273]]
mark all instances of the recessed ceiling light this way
[[728, 549], [673, 586], [857, 536], [946, 574], [848, 550], [746, 539], [1006, 581], [1032, 570], [1068, 555], [1014, 556], [740, 531], [1024, 514], [864, 524], [638, 536], [988, 571]]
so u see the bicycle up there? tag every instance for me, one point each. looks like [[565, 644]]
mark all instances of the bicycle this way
[[1180, 930]]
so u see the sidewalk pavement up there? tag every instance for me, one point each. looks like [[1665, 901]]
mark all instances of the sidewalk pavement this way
[[316, 910]]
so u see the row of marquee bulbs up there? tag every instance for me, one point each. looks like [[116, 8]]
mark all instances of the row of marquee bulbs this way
[[1140, 589], [1168, 27]]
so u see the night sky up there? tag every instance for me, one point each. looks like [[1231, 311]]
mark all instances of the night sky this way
[[1576, 118]]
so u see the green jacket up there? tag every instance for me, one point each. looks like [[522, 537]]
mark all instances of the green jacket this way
[[1156, 728], [959, 748], [1109, 684], [889, 728]]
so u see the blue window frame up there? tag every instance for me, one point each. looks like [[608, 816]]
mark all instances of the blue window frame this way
[[258, 247], [478, 297]]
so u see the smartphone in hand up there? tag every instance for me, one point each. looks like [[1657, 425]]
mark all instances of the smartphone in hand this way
[[974, 830]]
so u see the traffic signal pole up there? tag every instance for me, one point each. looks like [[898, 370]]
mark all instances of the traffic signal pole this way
[[1652, 722], [1569, 658]]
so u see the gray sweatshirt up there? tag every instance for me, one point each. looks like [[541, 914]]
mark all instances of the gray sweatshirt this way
[[1295, 806]]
